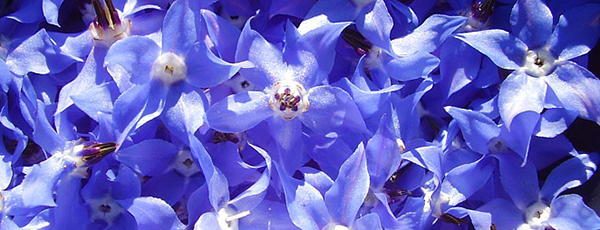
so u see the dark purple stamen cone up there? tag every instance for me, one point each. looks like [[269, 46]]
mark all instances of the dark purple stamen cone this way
[[95, 152]]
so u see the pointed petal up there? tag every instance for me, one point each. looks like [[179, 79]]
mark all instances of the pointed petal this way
[[577, 89], [505, 50], [368, 102], [376, 25], [350, 188], [383, 153], [429, 35], [184, 112], [332, 108], [569, 212], [149, 157], [414, 66], [463, 181], [504, 214], [569, 174], [218, 189], [304, 202], [206, 70], [129, 61], [520, 93], [239, 112], [252, 196], [571, 40], [476, 128], [90, 75], [179, 28], [39, 54], [532, 21], [223, 33], [520, 182], [153, 213]]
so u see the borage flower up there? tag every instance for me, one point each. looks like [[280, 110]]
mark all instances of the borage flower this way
[[292, 95], [153, 78], [543, 74]]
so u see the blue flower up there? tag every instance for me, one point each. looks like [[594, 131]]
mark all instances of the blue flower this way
[[539, 56], [157, 79]]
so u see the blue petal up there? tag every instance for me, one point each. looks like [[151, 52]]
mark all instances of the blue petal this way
[[577, 89], [150, 157], [179, 28], [376, 25], [90, 75], [520, 182], [350, 188], [96, 101], [135, 107], [268, 61], [239, 112], [576, 33], [520, 93], [569, 174], [532, 21], [332, 108], [369, 102], [37, 188], [288, 136], [50, 9], [129, 61], [207, 70], [505, 50], [463, 181], [39, 54], [520, 133], [251, 197], [304, 202], [427, 157], [69, 202], [153, 213], [184, 112], [44, 134], [222, 33], [382, 153], [504, 214], [429, 35], [569, 212], [368, 221], [414, 66], [476, 128], [321, 44], [169, 187], [218, 188], [553, 122]]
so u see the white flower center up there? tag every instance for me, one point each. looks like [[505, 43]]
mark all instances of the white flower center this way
[[184, 164], [537, 214], [169, 68], [539, 63], [288, 99]]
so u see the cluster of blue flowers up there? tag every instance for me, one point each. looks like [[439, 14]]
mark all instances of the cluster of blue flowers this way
[[297, 114]]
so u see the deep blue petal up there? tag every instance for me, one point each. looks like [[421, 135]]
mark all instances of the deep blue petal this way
[[332, 108], [532, 21], [429, 35], [150, 157], [505, 50], [226, 115], [153, 213], [576, 33]]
